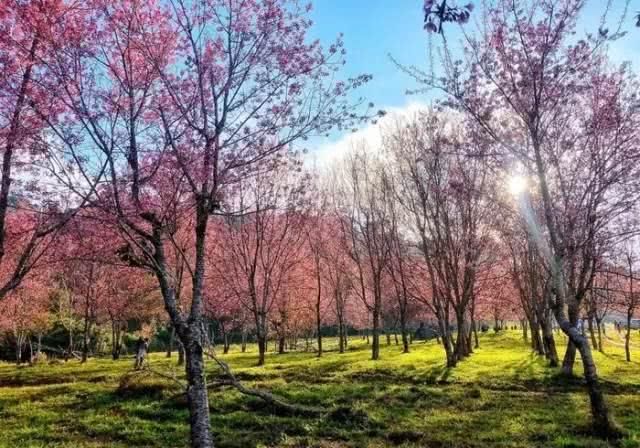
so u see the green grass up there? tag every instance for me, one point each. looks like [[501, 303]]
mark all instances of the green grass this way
[[502, 396]]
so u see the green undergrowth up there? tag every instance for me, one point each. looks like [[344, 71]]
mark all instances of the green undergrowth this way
[[502, 396]]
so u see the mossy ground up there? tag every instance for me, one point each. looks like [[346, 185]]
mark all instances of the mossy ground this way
[[502, 396]]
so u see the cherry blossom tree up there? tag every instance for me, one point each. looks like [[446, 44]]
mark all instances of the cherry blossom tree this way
[[181, 100], [552, 103], [258, 251]]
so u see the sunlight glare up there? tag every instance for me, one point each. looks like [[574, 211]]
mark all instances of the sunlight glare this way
[[517, 184]]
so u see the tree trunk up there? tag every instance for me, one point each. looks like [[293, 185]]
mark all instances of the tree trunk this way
[[537, 343], [243, 344], [446, 342], [475, 335], [225, 346], [70, 348], [592, 333], [627, 338], [116, 342], [318, 327], [602, 424], [461, 348], [262, 348], [197, 396], [180, 353], [550, 349], [599, 325], [570, 353], [403, 331], [282, 342], [172, 335], [375, 347], [85, 341], [18, 349]]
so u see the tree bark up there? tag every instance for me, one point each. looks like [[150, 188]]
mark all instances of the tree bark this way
[[627, 338], [197, 395], [550, 349], [461, 348], [602, 423], [375, 347], [599, 325], [225, 347], [85, 341], [180, 353], [262, 348], [592, 333], [172, 335], [116, 342], [403, 330], [570, 353]]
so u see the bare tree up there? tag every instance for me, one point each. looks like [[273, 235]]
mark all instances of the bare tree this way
[[364, 222], [444, 189]]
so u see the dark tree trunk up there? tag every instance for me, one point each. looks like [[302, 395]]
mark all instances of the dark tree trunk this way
[[85, 340], [570, 353], [599, 325], [243, 343], [225, 346], [627, 337], [318, 328], [375, 347], [475, 335], [19, 343], [262, 348], [461, 347], [550, 349], [592, 333], [172, 335], [403, 331], [318, 303], [341, 337], [180, 353], [116, 342], [537, 343]]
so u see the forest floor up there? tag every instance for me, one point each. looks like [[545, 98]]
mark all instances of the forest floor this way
[[502, 396]]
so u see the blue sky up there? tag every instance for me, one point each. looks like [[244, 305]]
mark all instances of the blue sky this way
[[373, 29]]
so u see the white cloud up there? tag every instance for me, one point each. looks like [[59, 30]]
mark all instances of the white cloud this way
[[326, 154]]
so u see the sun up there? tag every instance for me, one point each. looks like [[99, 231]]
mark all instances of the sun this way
[[517, 184]]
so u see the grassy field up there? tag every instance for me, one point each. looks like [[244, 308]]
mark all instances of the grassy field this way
[[503, 396]]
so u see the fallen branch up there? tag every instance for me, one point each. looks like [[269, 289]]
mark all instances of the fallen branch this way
[[231, 380], [60, 350], [173, 378]]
